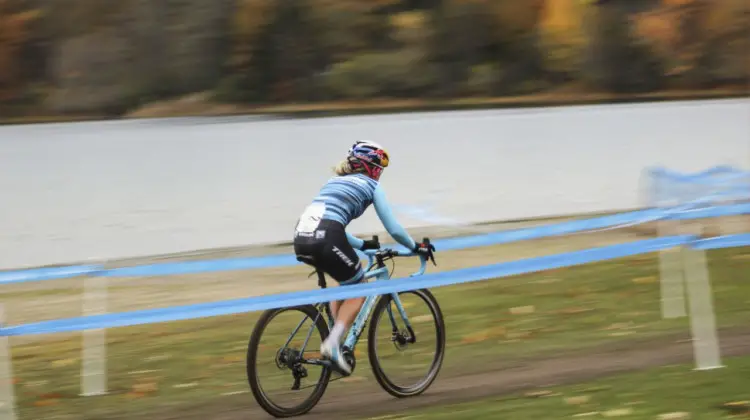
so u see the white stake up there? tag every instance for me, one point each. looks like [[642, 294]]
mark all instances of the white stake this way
[[706, 349], [671, 275], [7, 391], [94, 363]]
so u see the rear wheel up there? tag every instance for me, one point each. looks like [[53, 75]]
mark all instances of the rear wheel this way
[[406, 361], [281, 347]]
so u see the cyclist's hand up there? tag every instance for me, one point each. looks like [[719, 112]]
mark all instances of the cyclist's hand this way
[[425, 249], [373, 243]]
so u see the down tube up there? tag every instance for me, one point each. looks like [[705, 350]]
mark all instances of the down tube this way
[[364, 313], [359, 322]]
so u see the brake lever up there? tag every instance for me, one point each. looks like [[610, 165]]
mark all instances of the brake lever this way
[[431, 255]]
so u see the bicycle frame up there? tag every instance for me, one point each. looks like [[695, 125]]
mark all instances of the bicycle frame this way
[[379, 273]]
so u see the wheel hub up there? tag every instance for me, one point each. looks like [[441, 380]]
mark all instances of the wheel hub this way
[[287, 358], [400, 340]]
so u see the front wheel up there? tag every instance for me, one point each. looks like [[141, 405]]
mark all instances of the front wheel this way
[[406, 358]]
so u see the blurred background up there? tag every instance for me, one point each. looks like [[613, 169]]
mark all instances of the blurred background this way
[[579, 341], [127, 57]]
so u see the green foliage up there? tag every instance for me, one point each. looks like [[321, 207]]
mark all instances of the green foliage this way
[[395, 74]]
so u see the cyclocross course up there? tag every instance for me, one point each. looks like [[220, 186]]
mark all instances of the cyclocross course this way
[[577, 324]]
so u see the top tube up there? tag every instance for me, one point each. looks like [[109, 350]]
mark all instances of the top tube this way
[[370, 253]]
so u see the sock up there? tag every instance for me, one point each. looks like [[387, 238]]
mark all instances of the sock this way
[[336, 333]]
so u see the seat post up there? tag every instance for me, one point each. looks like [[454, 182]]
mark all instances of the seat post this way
[[321, 278]]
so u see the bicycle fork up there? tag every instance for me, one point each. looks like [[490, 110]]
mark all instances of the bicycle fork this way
[[360, 322]]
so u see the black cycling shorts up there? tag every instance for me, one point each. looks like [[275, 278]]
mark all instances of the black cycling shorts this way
[[330, 251]]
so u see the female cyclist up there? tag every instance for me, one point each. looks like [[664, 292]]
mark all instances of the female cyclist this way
[[320, 238]]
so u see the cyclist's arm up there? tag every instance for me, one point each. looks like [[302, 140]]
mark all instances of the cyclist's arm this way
[[386, 216], [355, 242]]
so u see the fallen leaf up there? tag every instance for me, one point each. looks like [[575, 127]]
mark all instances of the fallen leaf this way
[[522, 310], [50, 396], [645, 280], [621, 333], [34, 384], [597, 388], [619, 326], [574, 311], [63, 362], [421, 318], [737, 407], [159, 358], [618, 412], [234, 393], [677, 415], [145, 388], [484, 335], [353, 379], [233, 359], [578, 400], [140, 372], [516, 335], [538, 394]]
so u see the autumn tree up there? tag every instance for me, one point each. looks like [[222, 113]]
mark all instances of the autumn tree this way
[[14, 32]]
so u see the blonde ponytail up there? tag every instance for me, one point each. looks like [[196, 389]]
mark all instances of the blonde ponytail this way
[[343, 168]]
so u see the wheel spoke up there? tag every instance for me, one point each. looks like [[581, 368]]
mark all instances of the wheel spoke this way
[[403, 365], [283, 381]]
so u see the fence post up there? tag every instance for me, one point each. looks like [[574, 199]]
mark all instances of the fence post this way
[[706, 350], [7, 391], [94, 357], [671, 274]]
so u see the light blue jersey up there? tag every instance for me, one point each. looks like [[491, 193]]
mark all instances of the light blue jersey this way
[[347, 197]]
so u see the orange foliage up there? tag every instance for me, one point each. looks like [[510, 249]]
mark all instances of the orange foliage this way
[[249, 18], [680, 30], [562, 34], [14, 29]]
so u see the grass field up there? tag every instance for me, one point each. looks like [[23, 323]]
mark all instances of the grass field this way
[[666, 393], [158, 369]]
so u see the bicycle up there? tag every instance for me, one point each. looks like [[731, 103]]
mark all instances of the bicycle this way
[[291, 360]]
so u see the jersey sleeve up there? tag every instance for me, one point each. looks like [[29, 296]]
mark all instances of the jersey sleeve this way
[[383, 209], [355, 242]]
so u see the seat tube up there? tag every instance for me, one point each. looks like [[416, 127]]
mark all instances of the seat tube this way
[[359, 323]]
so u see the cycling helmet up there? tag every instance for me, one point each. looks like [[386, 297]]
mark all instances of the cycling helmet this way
[[368, 157]]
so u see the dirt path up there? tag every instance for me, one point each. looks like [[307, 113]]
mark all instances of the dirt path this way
[[575, 367]]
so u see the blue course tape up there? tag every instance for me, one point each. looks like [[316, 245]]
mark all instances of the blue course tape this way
[[191, 267], [50, 273], [450, 244], [237, 306], [727, 241], [708, 173]]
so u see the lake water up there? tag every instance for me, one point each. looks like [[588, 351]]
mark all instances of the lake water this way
[[102, 190]]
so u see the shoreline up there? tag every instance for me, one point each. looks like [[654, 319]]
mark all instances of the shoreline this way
[[200, 105]]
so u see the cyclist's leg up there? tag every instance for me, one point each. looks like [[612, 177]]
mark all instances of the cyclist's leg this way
[[339, 260]]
